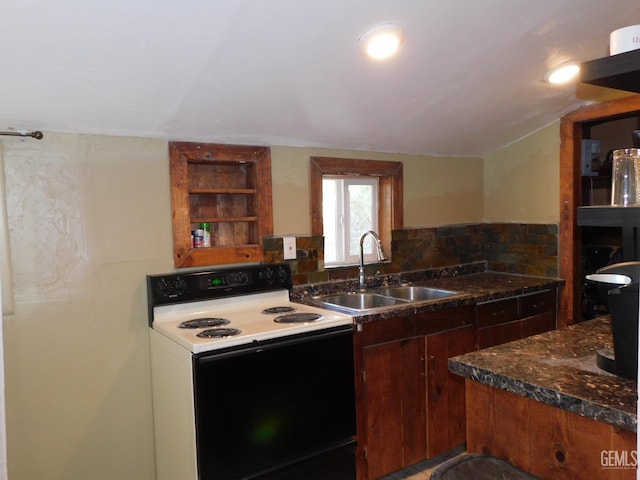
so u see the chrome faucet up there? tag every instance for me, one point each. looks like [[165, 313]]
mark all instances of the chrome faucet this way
[[362, 279]]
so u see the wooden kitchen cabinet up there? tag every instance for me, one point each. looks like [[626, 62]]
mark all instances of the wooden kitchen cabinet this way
[[227, 186], [446, 418], [394, 358], [505, 320], [410, 407]]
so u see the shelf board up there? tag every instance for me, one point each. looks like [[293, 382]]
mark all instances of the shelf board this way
[[215, 255], [608, 216], [620, 71], [219, 247], [218, 191], [221, 161], [224, 219]]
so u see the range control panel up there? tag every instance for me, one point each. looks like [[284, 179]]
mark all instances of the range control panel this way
[[195, 286]]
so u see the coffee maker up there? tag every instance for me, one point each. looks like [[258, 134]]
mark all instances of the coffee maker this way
[[621, 280]]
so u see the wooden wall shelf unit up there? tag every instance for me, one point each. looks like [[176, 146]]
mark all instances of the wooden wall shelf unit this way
[[227, 186], [573, 128]]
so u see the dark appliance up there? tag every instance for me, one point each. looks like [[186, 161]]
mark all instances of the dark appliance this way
[[246, 383], [621, 280]]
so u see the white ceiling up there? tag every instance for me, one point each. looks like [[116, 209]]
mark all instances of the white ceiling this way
[[288, 72]]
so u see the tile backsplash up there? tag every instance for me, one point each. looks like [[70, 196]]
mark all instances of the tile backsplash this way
[[521, 248]]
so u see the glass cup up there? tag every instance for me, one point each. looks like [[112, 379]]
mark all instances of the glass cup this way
[[624, 177]]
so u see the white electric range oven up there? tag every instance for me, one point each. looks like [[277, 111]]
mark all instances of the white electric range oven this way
[[246, 383]]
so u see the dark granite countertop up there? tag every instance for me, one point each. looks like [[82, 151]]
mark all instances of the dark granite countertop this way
[[474, 284], [558, 368]]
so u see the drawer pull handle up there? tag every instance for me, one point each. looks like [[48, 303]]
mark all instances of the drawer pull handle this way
[[495, 314]]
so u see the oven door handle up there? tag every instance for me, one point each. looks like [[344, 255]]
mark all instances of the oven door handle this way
[[260, 346]]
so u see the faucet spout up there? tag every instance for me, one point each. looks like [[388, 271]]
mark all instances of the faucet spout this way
[[362, 279]]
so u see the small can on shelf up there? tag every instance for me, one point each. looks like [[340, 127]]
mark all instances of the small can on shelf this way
[[198, 238]]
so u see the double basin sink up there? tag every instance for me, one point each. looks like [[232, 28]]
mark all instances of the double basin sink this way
[[383, 297]]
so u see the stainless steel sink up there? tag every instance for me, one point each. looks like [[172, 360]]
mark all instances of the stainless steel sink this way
[[383, 297], [415, 293], [361, 301]]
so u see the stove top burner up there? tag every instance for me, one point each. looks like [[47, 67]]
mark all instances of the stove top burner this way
[[219, 332], [204, 322], [278, 310], [298, 318]]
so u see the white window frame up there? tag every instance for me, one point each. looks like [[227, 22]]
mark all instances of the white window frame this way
[[341, 220]]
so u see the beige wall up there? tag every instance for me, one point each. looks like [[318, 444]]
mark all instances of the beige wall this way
[[436, 190], [521, 181], [89, 217]]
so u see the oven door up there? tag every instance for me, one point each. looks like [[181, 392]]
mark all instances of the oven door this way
[[283, 406]]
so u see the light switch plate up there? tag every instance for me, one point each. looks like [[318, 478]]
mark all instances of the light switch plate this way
[[289, 245]]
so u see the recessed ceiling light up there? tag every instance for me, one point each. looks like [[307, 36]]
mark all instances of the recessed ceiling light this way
[[381, 41], [562, 73]]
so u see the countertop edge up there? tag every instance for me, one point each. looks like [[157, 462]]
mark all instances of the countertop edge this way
[[583, 407]]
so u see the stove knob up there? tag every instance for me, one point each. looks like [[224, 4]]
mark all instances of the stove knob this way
[[282, 273], [180, 287], [239, 278], [172, 288], [274, 276], [268, 276]]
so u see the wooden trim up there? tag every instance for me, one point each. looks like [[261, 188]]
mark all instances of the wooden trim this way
[[570, 194], [390, 201], [571, 129], [315, 187], [605, 111], [180, 204]]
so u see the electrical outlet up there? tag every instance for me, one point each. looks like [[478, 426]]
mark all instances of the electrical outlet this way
[[289, 245]]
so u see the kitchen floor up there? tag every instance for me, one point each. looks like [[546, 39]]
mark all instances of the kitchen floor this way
[[423, 470]]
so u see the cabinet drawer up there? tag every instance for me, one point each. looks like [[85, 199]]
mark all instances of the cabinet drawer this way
[[499, 311], [537, 303], [538, 324], [415, 325], [498, 334]]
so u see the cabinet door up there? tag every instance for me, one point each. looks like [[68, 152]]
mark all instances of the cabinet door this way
[[393, 385], [445, 391]]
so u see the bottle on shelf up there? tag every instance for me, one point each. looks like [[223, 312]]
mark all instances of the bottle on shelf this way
[[206, 234]]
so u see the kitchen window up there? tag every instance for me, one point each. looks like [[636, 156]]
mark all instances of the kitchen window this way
[[349, 208], [350, 184]]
